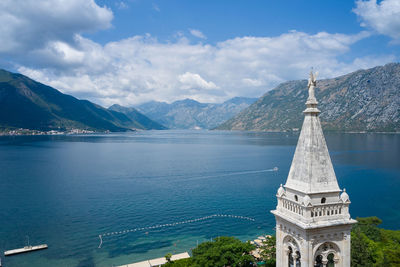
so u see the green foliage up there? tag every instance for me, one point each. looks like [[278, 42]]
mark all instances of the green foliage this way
[[372, 246], [168, 257], [179, 263], [223, 251], [368, 226], [363, 250], [268, 251]]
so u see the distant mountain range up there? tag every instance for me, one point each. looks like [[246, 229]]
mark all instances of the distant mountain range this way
[[25, 103], [135, 115], [190, 114], [365, 100]]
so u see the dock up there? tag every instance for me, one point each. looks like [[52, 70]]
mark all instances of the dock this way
[[157, 262], [24, 249]]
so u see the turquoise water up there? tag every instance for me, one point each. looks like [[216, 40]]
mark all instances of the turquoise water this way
[[66, 190]]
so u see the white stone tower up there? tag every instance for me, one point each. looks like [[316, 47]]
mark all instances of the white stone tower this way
[[313, 223]]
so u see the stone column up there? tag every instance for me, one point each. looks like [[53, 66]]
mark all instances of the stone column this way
[[295, 257], [279, 249], [286, 259], [324, 260]]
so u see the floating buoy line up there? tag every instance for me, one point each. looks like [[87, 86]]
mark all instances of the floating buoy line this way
[[158, 226]]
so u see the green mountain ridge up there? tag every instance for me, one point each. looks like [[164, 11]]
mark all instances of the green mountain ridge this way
[[25, 103], [364, 100]]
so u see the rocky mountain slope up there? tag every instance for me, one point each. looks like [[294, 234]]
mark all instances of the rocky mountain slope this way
[[135, 115], [25, 103], [365, 100], [190, 114]]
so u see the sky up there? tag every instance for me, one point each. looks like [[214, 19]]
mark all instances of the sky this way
[[134, 51]]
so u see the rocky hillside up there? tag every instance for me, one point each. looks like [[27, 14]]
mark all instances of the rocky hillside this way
[[190, 114], [135, 115], [365, 100], [25, 103]]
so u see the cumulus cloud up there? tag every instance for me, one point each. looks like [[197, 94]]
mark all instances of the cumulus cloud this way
[[29, 25], [142, 68], [383, 17], [197, 33], [194, 81]]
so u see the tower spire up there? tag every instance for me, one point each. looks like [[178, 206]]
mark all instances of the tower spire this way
[[311, 170], [313, 222]]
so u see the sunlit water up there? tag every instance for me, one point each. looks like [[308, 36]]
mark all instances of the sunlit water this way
[[67, 190]]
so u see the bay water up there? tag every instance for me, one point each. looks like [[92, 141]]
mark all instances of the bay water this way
[[65, 191]]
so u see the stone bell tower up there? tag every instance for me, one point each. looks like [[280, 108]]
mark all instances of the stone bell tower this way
[[313, 222]]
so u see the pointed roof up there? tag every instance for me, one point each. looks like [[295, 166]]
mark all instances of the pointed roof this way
[[311, 170]]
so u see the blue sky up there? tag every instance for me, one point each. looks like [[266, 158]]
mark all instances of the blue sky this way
[[133, 51], [221, 20]]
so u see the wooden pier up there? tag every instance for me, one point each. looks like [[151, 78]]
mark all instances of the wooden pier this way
[[24, 249]]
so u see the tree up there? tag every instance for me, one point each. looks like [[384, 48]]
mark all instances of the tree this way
[[369, 226], [223, 251], [168, 257], [374, 246], [179, 263], [268, 251], [362, 254]]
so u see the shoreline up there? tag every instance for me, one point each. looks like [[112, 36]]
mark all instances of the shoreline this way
[[29, 132]]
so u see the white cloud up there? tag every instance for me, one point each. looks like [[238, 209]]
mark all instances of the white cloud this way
[[383, 17], [194, 81], [50, 48], [197, 33], [141, 68], [26, 25]]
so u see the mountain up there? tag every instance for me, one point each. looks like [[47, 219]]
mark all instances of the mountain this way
[[190, 114], [365, 100], [135, 115], [25, 103]]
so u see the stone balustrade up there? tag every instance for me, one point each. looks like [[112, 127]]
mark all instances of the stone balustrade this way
[[325, 210], [321, 211], [293, 206]]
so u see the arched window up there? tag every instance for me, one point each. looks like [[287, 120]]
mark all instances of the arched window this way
[[298, 261], [290, 259], [331, 262], [318, 261], [323, 200]]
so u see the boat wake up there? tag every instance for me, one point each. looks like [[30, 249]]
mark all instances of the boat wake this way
[[230, 174]]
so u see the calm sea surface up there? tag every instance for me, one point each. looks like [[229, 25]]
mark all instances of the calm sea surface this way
[[66, 190]]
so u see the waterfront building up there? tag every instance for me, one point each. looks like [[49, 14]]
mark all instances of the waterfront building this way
[[313, 222]]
